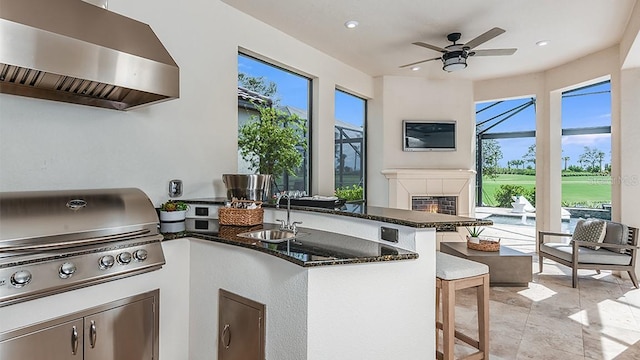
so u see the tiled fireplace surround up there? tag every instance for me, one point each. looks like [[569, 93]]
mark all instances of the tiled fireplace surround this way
[[404, 184]]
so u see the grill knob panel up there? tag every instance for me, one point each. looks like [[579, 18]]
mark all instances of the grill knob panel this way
[[20, 278], [140, 255], [66, 270], [106, 262], [124, 258]]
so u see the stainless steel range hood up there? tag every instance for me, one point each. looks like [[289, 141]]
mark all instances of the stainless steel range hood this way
[[72, 51]]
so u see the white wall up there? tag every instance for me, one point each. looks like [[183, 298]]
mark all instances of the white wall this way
[[49, 145], [411, 98]]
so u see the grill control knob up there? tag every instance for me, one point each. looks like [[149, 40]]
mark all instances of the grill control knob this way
[[20, 278], [140, 255], [106, 262], [66, 270], [124, 258]]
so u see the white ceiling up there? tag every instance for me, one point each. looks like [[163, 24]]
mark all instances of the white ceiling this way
[[382, 41]]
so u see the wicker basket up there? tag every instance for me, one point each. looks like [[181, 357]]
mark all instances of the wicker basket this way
[[229, 232], [241, 217], [484, 245]]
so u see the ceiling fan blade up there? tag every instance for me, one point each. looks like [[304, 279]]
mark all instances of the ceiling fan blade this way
[[419, 62], [492, 52], [429, 46], [484, 37]]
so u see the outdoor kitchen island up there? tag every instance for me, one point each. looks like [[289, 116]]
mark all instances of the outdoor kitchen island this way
[[362, 298]]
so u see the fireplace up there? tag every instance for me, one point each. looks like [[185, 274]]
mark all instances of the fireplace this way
[[435, 204], [407, 184], [457, 186]]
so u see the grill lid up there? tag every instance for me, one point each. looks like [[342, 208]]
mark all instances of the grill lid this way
[[54, 217]]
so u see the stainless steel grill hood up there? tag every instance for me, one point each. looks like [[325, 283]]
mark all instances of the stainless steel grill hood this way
[[72, 51]]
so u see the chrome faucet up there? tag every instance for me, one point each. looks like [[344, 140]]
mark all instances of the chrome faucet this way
[[287, 225]]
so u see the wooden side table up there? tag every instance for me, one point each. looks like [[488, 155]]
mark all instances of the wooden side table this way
[[507, 267]]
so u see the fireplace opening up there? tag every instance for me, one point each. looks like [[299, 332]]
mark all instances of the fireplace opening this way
[[435, 204]]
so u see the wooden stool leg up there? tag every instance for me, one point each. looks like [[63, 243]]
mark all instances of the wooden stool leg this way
[[483, 316], [437, 314], [448, 319]]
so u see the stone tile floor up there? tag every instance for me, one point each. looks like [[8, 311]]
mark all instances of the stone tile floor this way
[[551, 320]]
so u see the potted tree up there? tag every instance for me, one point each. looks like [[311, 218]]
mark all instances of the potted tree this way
[[271, 142]]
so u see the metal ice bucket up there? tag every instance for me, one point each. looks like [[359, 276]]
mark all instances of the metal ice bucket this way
[[247, 186]]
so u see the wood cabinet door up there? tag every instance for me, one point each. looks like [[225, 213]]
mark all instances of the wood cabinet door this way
[[240, 328], [124, 332], [60, 342]]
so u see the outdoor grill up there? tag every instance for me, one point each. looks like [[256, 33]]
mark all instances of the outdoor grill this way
[[55, 241]]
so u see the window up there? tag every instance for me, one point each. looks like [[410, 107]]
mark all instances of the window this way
[[505, 139], [586, 149], [261, 84], [350, 120]]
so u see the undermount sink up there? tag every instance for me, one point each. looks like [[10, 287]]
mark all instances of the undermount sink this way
[[270, 235]]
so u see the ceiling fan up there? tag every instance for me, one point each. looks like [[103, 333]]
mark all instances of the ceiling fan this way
[[454, 57]]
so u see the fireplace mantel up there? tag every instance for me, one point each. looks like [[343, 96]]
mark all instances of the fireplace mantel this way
[[407, 183]]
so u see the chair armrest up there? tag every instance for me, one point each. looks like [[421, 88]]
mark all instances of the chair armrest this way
[[552, 233], [542, 234]]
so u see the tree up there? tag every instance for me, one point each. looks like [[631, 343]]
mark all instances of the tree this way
[[518, 163], [271, 142], [491, 154], [530, 156], [566, 160], [592, 157], [600, 157], [258, 84]]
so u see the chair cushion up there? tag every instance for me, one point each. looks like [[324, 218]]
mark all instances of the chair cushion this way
[[616, 234], [449, 267], [585, 255], [591, 230]]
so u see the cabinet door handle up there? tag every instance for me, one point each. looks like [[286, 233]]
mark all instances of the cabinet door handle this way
[[74, 340], [225, 337], [92, 334]]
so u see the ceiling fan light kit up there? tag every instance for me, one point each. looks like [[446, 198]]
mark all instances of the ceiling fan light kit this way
[[454, 60]]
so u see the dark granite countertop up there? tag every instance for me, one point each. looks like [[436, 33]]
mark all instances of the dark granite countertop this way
[[310, 248], [416, 219]]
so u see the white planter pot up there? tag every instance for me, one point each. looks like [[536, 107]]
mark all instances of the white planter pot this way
[[172, 227], [173, 215], [475, 240]]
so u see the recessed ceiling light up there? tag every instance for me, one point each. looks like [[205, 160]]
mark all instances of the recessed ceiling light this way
[[415, 68], [543, 43], [351, 24]]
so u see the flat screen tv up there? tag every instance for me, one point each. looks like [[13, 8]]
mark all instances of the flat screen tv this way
[[428, 135]]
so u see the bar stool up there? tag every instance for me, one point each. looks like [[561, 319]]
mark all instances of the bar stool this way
[[454, 273]]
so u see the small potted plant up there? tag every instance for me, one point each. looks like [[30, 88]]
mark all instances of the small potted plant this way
[[173, 211], [474, 234]]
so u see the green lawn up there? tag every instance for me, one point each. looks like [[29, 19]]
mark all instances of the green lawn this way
[[575, 189]]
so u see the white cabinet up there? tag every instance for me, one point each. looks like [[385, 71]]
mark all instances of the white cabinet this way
[[123, 329]]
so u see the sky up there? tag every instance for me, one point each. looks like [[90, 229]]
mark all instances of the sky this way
[[587, 107], [591, 107]]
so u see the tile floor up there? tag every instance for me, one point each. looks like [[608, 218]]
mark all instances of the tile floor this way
[[551, 320]]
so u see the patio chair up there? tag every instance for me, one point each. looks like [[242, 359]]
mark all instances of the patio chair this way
[[617, 251]]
